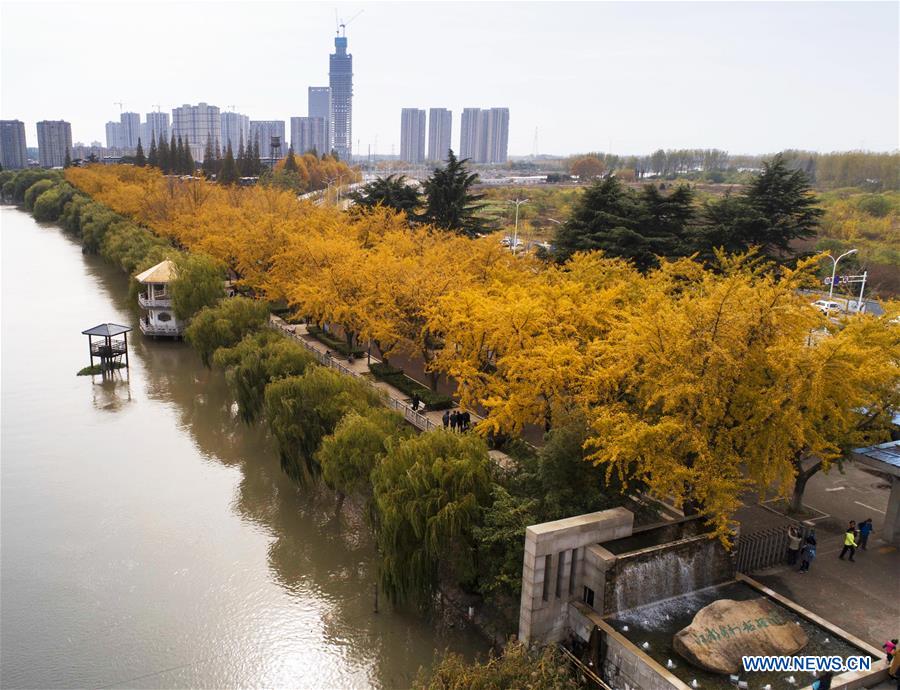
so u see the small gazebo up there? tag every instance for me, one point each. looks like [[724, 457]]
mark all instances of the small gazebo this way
[[108, 346]]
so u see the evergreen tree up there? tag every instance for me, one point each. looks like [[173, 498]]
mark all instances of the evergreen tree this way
[[242, 157], [255, 162], [178, 167], [605, 218], [229, 173], [777, 208], [290, 165], [189, 166], [163, 156], [391, 191], [153, 156], [449, 203], [139, 159], [173, 156], [209, 162], [68, 160]]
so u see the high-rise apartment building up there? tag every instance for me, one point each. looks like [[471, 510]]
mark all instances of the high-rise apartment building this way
[[54, 142], [195, 124], [484, 135], [114, 136], [156, 128], [131, 130], [12, 145], [440, 120], [340, 79], [412, 135], [320, 106], [309, 134], [235, 131], [262, 131]]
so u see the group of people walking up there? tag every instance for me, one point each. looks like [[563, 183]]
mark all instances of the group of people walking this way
[[457, 421], [855, 537]]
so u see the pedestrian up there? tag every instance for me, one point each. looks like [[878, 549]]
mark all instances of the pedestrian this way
[[849, 542], [454, 420], [894, 669], [793, 544], [890, 648], [807, 554], [446, 418], [865, 529], [415, 402], [467, 420]]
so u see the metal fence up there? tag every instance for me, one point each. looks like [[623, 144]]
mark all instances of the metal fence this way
[[766, 548], [417, 419]]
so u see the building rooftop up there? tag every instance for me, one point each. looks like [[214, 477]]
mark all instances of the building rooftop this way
[[163, 272], [107, 330], [884, 457]]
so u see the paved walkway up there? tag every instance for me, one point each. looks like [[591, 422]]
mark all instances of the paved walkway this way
[[862, 597], [396, 399]]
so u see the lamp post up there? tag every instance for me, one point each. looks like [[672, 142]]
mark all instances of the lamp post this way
[[518, 202], [833, 273]]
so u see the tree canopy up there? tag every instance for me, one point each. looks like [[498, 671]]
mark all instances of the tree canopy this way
[[449, 202]]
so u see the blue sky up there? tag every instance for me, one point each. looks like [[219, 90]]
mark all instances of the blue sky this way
[[628, 77]]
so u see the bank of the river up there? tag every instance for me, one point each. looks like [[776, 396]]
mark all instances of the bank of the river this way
[[149, 539]]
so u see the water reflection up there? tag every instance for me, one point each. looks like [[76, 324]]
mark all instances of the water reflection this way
[[111, 392], [323, 560]]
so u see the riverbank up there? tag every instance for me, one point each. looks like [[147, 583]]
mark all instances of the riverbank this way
[[182, 557]]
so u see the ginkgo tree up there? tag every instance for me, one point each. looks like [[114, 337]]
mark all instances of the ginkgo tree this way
[[717, 381]]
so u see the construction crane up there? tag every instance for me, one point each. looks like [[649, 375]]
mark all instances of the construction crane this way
[[157, 106], [121, 106], [341, 28]]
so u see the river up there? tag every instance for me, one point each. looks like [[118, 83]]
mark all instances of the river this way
[[149, 539]]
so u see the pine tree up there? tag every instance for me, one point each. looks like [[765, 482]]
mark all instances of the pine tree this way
[[165, 157], [449, 203], [173, 155], [139, 159], [229, 173], [68, 160], [153, 156], [190, 167], [255, 162], [242, 157], [290, 165], [179, 164], [209, 161]]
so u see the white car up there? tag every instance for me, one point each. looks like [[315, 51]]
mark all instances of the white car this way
[[827, 306]]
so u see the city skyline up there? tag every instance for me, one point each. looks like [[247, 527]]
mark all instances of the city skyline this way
[[603, 55]]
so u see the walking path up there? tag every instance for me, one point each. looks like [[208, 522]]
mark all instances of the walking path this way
[[394, 398], [861, 597]]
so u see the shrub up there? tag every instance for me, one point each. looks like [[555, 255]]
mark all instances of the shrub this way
[[396, 378], [334, 343]]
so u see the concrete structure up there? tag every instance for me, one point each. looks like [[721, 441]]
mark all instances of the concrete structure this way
[[440, 123], [886, 458], [155, 298], [235, 131], [262, 131], [484, 135], [156, 128], [131, 130], [319, 105], [195, 124], [340, 80], [114, 135], [54, 142], [13, 153], [309, 134], [559, 558], [412, 135]]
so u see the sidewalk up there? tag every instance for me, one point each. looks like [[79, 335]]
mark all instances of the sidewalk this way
[[862, 597], [397, 400]]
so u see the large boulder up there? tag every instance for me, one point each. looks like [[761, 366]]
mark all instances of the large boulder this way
[[727, 630]]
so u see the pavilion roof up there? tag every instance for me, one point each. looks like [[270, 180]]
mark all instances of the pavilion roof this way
[[163, 272], [107, 330]]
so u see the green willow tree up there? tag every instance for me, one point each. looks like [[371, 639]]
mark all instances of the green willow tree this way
[[224, 325], [429, 492], [449, 201], [302, 410], [199, 283]]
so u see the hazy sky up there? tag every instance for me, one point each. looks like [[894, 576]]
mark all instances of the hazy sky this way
[[627, 77]]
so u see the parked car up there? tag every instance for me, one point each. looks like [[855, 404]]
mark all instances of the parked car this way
[[827, 306]]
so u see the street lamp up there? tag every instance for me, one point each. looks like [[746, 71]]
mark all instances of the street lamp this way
[[518, 202], [833, 273]]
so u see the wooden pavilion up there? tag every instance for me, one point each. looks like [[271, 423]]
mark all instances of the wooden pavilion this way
[[108, 346]]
